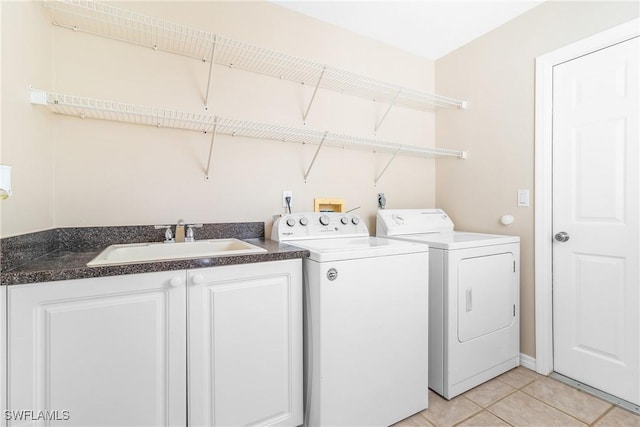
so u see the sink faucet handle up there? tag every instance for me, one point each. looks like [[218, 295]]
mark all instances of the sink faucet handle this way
[[190, 236], [168, 235]]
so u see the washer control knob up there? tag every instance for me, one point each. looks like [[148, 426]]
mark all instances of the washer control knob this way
[[291, 222], [324, 220], [304, 221], [344, 220], [355, 220]]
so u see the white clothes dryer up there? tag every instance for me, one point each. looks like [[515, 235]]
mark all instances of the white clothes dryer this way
[[474, 298], [366, 321]]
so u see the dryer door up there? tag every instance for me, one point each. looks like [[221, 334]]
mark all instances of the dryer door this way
[[486, 294]]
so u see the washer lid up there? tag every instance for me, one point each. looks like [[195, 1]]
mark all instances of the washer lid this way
[[339, 249], [460, 240]]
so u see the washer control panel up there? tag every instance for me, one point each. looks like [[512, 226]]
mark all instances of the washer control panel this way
[[397, 222], [318, 225]]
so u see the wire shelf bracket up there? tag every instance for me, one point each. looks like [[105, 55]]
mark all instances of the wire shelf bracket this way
[[384, 116], [313, 96], [204, 123], [116, 23], [375, 182], [211, 62], [213, 138], [306, 174]]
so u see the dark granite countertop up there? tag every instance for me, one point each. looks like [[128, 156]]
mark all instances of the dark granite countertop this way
[[64, 261]]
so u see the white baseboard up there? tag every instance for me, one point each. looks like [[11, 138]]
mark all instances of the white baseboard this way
[[527, 362]]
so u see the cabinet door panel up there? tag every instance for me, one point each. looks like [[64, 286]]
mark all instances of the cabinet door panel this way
[[110, 351], [245, 345], [3, 353]]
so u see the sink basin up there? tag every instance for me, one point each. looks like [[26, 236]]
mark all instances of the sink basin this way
[[151, 252]]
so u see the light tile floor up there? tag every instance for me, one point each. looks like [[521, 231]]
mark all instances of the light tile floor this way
[[524, 398]]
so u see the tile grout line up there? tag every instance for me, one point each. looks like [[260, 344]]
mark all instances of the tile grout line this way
[[558, 409], [472, 415], [514, 391], [488, 412], [425, 418], [611, 408], [486, 409]]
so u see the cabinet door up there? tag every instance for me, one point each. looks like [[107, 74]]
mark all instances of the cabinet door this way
[[245, 345], [105, 351], [3, 354]]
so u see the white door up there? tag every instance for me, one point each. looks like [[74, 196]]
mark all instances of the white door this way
[[596, 299], [98, 352], [245, 345]]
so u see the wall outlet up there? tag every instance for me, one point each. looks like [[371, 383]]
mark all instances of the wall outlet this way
[[285, 194]]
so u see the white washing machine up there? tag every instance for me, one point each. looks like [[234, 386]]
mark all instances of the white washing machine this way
[[474, 298], [366, 321]]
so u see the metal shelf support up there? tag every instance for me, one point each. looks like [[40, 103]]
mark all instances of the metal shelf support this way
[[384, 116], [213, 138], [375, 182], [315, 90], [306, 174], [211, 62]]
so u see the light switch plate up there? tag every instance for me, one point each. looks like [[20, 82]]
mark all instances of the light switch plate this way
[[523, 198]]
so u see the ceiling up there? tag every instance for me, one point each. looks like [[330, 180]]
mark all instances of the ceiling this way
[[429, 28]]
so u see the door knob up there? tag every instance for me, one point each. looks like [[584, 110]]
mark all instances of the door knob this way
[[562, 236]]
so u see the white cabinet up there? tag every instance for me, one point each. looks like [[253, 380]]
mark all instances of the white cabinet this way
[[110, 351], [122, 351], [245, 345]]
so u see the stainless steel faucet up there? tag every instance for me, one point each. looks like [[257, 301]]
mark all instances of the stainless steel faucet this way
[[180, 232]]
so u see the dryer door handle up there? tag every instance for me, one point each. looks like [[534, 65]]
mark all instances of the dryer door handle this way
[[469, 299]]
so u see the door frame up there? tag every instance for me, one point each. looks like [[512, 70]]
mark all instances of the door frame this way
[[543, 178]]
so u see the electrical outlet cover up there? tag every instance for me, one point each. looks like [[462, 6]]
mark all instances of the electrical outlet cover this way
[[285, 194], [382, 201]]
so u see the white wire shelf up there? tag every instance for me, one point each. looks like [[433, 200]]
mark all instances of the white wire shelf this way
[[116, 23], [206, 123], [201, 122]]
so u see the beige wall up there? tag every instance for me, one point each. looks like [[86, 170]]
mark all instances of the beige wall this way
[[496, 73], [26, 133], [94, 172]]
